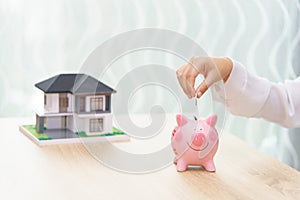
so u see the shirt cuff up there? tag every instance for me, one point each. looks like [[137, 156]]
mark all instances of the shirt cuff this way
[[236, 82], [244, 93]]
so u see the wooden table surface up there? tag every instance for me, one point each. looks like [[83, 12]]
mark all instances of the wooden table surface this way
[[70, 172]]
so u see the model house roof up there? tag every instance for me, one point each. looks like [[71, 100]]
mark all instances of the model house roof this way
[[73, 83]]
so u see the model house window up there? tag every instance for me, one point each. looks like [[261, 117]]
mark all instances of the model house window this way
[[81, 104], [96, 104], [45, 99], [96, 125], [63, 102]]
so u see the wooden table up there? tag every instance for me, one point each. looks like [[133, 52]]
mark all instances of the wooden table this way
[[70, 172]]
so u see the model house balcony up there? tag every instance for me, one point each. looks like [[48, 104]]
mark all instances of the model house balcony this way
[[81, 104], [92, 104], [58, 103]]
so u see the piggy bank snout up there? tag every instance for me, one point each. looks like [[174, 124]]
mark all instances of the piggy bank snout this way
[[198, 139]]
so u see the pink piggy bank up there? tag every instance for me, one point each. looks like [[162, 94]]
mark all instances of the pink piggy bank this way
[[195, 142]]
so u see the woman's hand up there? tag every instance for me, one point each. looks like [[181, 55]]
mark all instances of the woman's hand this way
[[213, 70]]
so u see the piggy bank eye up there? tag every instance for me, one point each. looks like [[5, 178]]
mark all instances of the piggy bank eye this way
[[173, 133], [200, 129]]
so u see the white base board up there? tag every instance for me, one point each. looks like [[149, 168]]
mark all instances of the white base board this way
[[116, 138]]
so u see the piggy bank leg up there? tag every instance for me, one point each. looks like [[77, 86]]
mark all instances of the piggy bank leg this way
[[209, 166], [181, 165], [175, 161]]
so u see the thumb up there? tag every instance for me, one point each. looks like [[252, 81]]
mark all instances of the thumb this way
[[201, 89], [212, 77]]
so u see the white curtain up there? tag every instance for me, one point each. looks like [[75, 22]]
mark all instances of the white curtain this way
[[41, 38], [264, 36]]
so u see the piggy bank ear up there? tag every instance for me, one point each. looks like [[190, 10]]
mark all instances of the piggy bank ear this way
[[212, 120], [181, 120]]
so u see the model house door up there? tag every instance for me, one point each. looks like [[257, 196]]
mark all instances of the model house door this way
[[63, 122], [63, 102]]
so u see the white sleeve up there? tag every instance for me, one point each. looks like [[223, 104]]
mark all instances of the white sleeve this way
[[252, 96]]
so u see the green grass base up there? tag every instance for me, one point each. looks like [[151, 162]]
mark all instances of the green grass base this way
[[115, 132], [43, 136], [32, 130]]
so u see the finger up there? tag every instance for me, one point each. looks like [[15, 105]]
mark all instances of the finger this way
[[186, 76], [180, 79], [190, 75], [184, 84], [188, 89]]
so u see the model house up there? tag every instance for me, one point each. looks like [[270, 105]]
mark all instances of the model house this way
[[75, 102]]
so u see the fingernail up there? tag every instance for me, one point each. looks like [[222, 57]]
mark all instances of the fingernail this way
[[199, 94]]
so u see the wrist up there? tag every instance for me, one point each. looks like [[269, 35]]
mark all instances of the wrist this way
[[228, 68], [224, 66]]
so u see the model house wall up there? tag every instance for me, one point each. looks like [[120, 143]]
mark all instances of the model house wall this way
[[83, 123], [71, 102], [53, 122], [70, 123], [51, 103]]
